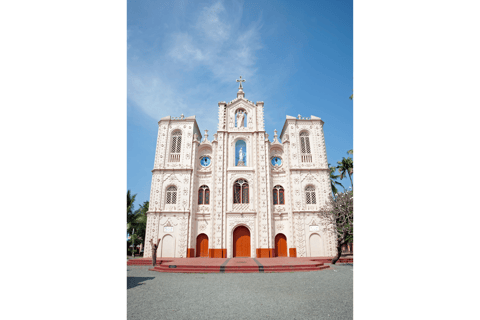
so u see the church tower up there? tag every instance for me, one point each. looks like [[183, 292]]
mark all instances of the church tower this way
[[239, 195]]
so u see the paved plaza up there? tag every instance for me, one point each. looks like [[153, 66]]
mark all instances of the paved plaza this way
[[325, 294]]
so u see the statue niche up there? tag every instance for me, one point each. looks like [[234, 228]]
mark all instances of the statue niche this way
[[240, 153], [241, 118]]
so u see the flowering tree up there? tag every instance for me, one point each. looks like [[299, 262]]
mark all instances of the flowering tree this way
[[338, 215]]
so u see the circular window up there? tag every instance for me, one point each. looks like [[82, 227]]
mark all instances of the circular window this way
[[276, 161], [205, 161]]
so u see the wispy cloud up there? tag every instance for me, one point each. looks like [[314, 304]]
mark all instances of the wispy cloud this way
[[213, 24], [215, 45], [184, 50]]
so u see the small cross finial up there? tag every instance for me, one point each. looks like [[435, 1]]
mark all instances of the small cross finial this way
[[206, 135], [241, 80]]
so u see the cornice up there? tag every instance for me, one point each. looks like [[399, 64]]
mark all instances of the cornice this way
[[250, 213], [240, 169], [172, 169], [185, 213], [308, 169]]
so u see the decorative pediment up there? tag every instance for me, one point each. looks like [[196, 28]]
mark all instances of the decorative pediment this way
[[168, 223], [313, 222], [310, 178], [170, 177]]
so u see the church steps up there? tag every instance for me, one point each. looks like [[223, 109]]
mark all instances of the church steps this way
[[148, 262], [239, 269], [239, 265]]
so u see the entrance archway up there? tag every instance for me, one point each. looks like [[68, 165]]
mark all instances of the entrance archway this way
[[202, 245], [241, 242], [281, 245]]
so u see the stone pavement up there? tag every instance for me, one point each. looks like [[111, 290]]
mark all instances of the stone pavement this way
[[326, 294]]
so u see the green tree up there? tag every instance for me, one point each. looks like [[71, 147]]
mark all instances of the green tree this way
[[137, 224], [346, 167], [140, 221], [333, 180], [131, 218], [130, 201]]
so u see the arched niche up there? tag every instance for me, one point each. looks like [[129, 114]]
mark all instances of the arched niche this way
[[241, 144], [316, 244], [168, 246], [238, 115]]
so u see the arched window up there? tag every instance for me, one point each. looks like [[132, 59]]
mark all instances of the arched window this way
[[204, 195], [305, 147], [175, 147], [310, 195], [278, 195], [172, 195], [240, 191]]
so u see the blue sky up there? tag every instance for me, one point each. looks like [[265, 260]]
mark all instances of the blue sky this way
[[184, 57]]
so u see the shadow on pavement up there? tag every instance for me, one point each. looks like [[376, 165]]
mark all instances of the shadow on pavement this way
[[132, 282]]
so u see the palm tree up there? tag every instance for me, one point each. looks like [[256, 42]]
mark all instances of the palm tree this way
[[130, 201], [131, 218], [333, 181], [140, 221], [346, 167]]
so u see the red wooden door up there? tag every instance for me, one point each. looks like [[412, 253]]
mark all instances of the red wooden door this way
[[202, 245], [241, 242], [281, 245]]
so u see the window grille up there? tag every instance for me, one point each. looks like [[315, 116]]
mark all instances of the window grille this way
[[240, 191], [175, 148], [172, 195], [203, 195], [278, 195], [310, 195], [305, 147]]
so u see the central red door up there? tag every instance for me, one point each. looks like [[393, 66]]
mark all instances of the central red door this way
[[202, 245], [281, 245], [241, 242]]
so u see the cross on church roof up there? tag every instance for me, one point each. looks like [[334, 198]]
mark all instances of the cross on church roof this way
[[240, 80]]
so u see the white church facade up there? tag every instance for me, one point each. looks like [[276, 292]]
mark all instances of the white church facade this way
[[239, 195]]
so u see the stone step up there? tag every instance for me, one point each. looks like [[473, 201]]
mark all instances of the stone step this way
[[238, 269]]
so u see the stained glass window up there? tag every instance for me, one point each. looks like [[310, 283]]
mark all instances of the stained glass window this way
[[204, 195], [205, 161], [240, 191], [278, 195], [276, 161]]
